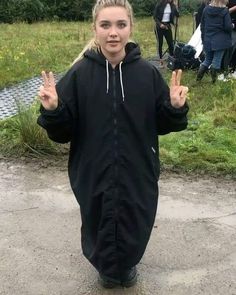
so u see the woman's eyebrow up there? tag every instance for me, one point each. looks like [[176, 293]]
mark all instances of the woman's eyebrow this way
[[104, 21], [118, 21]]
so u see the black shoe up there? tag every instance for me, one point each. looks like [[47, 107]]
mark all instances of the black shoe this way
[[129, 277], [107, 282], [213, 74], [201, 72]]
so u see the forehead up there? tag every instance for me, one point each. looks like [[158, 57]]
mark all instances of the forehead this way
[[113, 13]]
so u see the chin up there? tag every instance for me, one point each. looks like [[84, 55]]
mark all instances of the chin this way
[[114, 51]]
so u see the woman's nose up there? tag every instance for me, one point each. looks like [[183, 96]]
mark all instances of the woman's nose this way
[[113, 31]]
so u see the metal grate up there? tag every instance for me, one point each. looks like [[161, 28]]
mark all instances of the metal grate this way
[[24, 92]]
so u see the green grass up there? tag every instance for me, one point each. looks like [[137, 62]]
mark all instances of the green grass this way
[[27, 49], [20, 134], [209, 143]]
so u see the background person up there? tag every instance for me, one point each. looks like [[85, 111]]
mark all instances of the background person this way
[[232, 10], [216, 27], [198, 15], [164, 14], [111, 106]]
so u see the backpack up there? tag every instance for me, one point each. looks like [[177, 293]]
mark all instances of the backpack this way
[[183, 57]]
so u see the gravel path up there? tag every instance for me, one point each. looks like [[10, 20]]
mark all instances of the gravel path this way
[[192, 249]]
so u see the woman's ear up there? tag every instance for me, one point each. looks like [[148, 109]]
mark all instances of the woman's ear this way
[[94, 31], [93, 28]]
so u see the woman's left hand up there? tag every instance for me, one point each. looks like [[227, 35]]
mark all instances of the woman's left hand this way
[[178, 93]]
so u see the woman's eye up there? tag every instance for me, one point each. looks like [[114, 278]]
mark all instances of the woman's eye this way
[[105, 26], [122, 25]]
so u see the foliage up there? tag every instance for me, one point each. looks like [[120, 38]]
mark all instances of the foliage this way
[[24, 135], [71, 10], [188, 6], [21, 10]]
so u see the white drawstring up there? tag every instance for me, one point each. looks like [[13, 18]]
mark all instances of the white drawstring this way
[[121, 81], [107, 69], [121, 78]]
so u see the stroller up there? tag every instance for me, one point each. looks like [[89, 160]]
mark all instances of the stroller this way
[[187, 56]]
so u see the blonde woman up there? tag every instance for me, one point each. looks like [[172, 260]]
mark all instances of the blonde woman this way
[[111, 106], [216, 28]]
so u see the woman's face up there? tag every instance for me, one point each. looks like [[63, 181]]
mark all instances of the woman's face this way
[[112, 30]]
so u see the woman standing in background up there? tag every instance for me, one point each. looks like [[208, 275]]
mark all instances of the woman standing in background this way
[[216, 28], [164, 15]]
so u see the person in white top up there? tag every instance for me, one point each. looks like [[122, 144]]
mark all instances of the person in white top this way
[[164, 14]]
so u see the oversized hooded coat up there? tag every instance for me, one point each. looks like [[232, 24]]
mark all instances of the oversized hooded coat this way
[[112, 118]]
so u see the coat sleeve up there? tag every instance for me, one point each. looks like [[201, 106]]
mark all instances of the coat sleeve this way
[[168, 118], [156, 13], [228, 27], [60, 123]]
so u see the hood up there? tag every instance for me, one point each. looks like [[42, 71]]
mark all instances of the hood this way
[[132, 53], [216, 11]]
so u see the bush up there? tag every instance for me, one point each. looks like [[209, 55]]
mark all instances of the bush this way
[[188, 6], [21, 134], [21, 11], [72, 10], [143, 7]]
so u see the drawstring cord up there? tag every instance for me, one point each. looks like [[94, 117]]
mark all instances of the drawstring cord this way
[[121, 78], [108, 78], [121, 81]]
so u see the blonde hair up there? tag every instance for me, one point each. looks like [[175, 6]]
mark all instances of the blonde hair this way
[[99, 5], [219, 3]]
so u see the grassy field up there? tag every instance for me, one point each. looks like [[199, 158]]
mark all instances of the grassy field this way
[[209, 143]]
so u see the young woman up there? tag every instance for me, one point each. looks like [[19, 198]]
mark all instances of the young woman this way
[[216, 27], [111, 105], [164, 14]]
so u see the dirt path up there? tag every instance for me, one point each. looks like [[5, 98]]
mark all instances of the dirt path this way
[[192, 249]]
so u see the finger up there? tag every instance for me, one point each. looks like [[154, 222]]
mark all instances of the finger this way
[[45, 79], [184, 92], [41, 91], [51, 79], [178, 77], [173, 79], [44, 92]]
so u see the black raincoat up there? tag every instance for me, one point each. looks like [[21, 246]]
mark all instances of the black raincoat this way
[[112, 118]]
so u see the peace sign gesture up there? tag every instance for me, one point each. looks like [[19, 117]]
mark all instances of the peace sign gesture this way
[[178, 93], [47, 92]]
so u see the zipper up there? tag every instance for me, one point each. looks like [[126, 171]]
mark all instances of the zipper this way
[[116, 192], [115, 130]]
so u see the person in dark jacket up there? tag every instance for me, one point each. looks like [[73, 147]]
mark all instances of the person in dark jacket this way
[[232, 10], [232, 56], [111, 105], [216, 28], [164, 15], [198, 15]]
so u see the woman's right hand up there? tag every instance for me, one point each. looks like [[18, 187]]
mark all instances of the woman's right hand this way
[[164, 27], [47, 92]]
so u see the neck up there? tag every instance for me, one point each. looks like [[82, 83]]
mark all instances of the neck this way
[[115, 59]]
